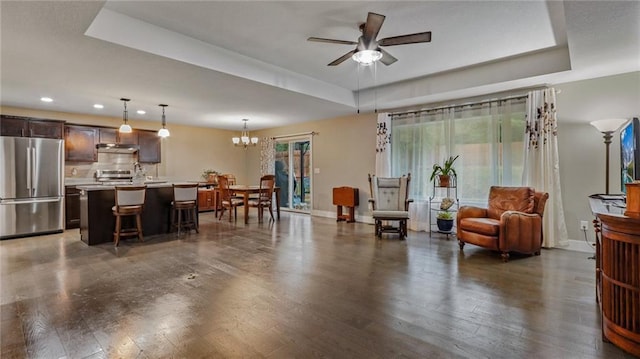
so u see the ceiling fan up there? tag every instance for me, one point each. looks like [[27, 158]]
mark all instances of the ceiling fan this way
[[368, 48]]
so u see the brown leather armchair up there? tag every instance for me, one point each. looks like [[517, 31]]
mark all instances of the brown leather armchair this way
[[512, 221]]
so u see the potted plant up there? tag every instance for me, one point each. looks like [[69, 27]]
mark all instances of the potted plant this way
[[210, 176], [445, 171], [444, 219]]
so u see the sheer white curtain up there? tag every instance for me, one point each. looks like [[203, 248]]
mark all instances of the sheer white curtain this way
[[541, 164], [418, 141], [486, 135]]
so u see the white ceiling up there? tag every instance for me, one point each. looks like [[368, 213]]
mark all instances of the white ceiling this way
[[216, 62]]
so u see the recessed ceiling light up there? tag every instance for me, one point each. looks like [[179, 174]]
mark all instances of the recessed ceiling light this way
[[141, 112], [97, 105], [46, 99]]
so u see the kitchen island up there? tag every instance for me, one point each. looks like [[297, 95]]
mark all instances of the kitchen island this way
[[97, 222]]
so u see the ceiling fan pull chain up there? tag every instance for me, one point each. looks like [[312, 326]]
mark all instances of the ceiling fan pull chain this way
[[375, 87], [358, 87]]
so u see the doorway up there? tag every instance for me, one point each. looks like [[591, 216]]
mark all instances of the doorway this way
[[293, 173]]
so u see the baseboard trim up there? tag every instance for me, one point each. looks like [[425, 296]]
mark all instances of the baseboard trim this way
[[330, 214], [572, 244]]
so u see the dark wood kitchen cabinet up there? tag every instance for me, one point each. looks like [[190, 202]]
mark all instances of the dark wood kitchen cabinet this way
[[108, 135], [18, 126], [71, 207], [149, 143], [80, 143], [112, 135]]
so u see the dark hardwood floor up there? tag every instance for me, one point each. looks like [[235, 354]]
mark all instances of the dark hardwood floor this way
[[303, 287]]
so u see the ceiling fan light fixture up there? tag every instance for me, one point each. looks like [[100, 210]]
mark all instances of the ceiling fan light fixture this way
[[367, 57]]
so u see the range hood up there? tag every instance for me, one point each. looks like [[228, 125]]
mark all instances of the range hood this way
[[116, 148]]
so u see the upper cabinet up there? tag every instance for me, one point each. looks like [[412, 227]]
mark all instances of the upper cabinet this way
[[112, 135], [30, 127], [108, 135], [80, 143], [149, 143]]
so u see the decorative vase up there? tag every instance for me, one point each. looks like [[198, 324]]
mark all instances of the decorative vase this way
[[445, 225]]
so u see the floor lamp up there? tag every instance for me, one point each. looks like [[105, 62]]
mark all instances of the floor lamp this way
[[608, 127]]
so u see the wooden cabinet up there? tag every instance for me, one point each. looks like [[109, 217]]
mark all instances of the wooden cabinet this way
[[108, 135], [618, 273], [128, 138], [112, 135], [71, 207], [207, 199], [30, 127], [80, 143], [149, 143], [14, 126]]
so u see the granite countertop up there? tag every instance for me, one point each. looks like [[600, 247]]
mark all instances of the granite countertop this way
[[79, 181], [101, 187]]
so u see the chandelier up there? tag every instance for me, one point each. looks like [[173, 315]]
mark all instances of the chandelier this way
[[244, 139]]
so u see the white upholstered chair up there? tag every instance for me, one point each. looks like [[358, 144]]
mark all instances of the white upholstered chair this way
[[390, 203]]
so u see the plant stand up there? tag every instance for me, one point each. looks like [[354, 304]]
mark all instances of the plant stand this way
[[439, 192]]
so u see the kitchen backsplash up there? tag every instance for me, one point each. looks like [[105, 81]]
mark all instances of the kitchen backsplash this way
[[107, 161]]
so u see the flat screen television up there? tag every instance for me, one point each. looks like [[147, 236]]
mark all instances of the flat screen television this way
[[630, 152]]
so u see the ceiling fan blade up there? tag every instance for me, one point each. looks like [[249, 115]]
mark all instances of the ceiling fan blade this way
[[372, 27], [342, 58], [406, 39], [332, 41], [387, 58]]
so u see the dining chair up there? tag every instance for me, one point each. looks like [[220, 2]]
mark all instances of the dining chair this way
[[228, 201], [230, 178], [265, 197], [232, 182], [129, 202], [185, 208]]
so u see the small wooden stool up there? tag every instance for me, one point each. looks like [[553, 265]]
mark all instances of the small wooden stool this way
[[348, 197]]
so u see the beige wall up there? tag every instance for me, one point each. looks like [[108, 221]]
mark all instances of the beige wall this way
[[581, 146], [343, 151]]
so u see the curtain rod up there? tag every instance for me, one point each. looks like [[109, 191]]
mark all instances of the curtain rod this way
[[312, 133], [474, 103], [397, 114]]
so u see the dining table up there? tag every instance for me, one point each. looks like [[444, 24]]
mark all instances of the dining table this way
[[246, 190]]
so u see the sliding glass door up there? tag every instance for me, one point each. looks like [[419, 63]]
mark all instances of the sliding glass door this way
[[293, 173]]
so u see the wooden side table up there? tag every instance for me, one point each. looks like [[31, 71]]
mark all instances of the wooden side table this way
[[347, 197]]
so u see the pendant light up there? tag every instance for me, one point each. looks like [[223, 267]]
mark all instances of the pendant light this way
[[125, 128], [163, 132]]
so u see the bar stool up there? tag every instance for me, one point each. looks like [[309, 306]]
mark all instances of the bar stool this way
[[129, 202], [185, 207]]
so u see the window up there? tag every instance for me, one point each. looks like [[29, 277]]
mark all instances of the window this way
[[488, 137]]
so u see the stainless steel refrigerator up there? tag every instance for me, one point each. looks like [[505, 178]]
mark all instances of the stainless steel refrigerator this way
[[31, 186]]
